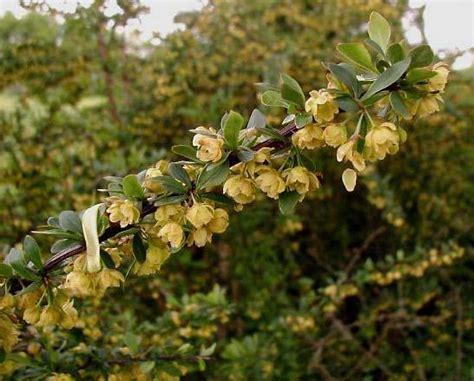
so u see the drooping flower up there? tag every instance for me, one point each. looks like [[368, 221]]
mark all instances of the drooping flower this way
[[322, 105], [240, 188], [200, 214], [219, 221], [210, 146], [309, 137], [270, 182], [382, 140], [335, 134], [173, 234], [301, 180], [348, 151], [123, 211], [438, 82]]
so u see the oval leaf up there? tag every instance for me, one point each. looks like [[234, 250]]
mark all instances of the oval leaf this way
[[379, 30], [357, 53]]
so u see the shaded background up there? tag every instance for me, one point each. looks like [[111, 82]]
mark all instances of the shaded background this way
[[373, 285]]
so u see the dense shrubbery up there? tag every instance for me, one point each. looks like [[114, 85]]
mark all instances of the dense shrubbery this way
[[368, 285]]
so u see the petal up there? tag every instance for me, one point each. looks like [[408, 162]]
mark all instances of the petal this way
[[89, 227], [349, 178]]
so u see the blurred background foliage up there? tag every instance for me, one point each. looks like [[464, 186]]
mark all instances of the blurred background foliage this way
[[374, 285]]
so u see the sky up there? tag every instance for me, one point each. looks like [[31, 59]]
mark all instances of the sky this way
[[449, 24]]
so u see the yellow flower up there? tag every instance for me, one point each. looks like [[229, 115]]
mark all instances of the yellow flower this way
[[349, 179], [60, 377], [426, 105], [301, 180], [382, 140], [347, 152], [169, 213], [219, 221], [7, 301], [81, 283], [109, 278], [8, 333], [159, 169], [173, 234], [200, 237], [270, 182], [210, 148], [240, 189], [309, 137], [321, 104], [31, 315], [156, 255], [438, 82], [51, 315], [123, 211], [200, 215], [335, 134], [69, 315]]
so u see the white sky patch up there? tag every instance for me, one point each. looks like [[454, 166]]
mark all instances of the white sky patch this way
[[449, 24]]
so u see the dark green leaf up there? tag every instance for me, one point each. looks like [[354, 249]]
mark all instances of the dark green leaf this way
[[245, 155], [395, 53], [30, 288], [272, 133], [418, 75], [287, 201], [69, 220], [5, 271], [291, 91], [167, 200], [346, 103], [62, 245], [421, 56], [24, 271], [362, 127], [170, 184], [212, 175], [379, 30], [232, 126], [387, 78], [357, 53], [132, 188], [178, 172], [398, 105], [32, 251], [217, 197], [346, 77], [374, 98], [139, 249], [185, 151], [107, 259]]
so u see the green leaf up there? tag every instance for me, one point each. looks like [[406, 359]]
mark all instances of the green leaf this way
[[287, 201], [291, 91], [245, 155], [421, 56], [362, 125], [206, 352], [107, 259], [24, 271], [379, 30], [178, 172], [347, 78], [218, 197], [62, 244], [53, 222], [30, 288], [257, 119], [167, 200], [186, 151], [69, 220], [212, 175], [375, 47], [272, 133], [374, 98], [398, 105], [357, 53], [139, 249], [418, 75], [302, 120], [232, 126], [395, 53], [5, 271], [32, 251], [387, 78], [273, 98], [170, 184], [132, 188], [346, 103]]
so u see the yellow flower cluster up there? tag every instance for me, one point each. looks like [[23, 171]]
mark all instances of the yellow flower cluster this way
[[259, 173], [122, 211], [300, 324], [82, 283], [60, 311]]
